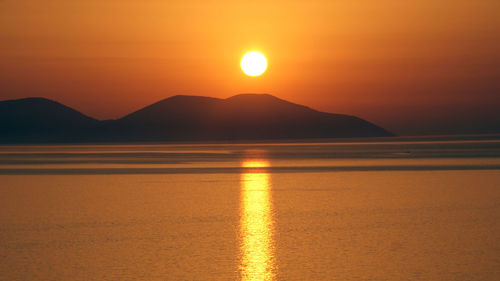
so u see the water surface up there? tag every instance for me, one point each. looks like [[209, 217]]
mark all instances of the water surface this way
[[409, 210]]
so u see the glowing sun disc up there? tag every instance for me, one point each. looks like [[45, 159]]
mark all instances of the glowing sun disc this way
[[253, 64]]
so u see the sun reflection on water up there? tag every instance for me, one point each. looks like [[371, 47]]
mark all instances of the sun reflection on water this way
[[256, 224]]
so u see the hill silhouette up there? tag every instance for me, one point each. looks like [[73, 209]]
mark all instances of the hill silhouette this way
[[191, 118], [41, 119]]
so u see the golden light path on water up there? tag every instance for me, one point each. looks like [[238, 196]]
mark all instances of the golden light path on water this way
[[256, 224]]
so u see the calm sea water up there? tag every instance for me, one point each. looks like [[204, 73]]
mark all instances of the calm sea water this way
[[398, 210]]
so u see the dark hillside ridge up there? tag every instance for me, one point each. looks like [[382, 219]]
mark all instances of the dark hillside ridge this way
[[180, 118], [42, 120]]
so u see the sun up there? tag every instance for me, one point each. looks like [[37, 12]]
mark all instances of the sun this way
[[253, 63]]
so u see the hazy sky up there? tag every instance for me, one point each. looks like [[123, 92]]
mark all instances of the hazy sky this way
[[410, 66]]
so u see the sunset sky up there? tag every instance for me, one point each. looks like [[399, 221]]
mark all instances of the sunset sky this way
[[412, 67]]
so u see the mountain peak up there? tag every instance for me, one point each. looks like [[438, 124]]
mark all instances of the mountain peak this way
[[41, 119], [184, 98], [254, 96], [32, 100], [178, 105], [36, 105]]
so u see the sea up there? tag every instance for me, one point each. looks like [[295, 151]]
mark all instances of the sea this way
[[416, 208]]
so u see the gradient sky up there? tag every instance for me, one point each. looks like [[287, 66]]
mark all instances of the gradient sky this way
[[425, 66]]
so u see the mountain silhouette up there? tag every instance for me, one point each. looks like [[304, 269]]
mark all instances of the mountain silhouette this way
[[40, 120], [181, 118]]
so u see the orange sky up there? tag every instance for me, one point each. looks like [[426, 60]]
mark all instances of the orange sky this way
[[410, 66]]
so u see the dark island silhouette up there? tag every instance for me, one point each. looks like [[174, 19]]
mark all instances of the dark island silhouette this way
[[180, 118]]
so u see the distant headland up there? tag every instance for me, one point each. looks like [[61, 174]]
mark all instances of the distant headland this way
[[180, 118]]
